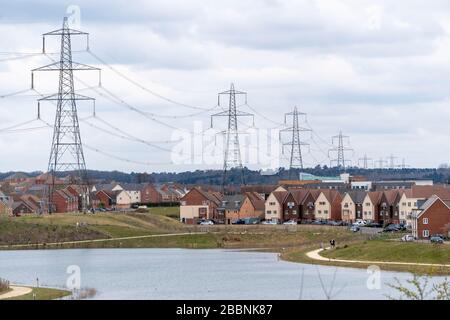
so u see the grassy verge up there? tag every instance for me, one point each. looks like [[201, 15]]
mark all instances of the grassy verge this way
[[43, 294], [392, 251], [375, 246]]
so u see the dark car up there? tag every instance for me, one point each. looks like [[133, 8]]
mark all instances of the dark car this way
[[374, 225], [238, 221], [439, 235], [319, 222], [435, 239], [335, 223], [391, 228]]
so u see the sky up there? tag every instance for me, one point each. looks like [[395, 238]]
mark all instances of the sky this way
[[379, 71]]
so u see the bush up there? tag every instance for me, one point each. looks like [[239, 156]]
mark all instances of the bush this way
[[4, 285]]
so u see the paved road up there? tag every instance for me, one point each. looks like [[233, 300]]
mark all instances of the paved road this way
[[15, 292], [316, 256]]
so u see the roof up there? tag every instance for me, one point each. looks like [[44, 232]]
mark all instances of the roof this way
[[357, 196], [330, 194], [430, 201], [280, 195], [257, 202], [423, 192], [299, 194], [391, 195], [232, 202], [375, 196], [264, 188], [105, 186], [213, 196]]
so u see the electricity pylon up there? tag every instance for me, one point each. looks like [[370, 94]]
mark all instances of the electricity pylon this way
[[296, 158], [380, 163], [232, 151], [340, 150], [66, 151], [365, 162], [391, 159]]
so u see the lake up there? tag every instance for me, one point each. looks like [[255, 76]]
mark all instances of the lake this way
[[193, 274]]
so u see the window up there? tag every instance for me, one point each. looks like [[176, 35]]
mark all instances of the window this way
[[321, 203], [425, 221], [294, 211], [319, 211], [325, 211], [404, 204], [426, 233], [367, 204], [274, 211], [271, 203], [409, 204], [269, 211]]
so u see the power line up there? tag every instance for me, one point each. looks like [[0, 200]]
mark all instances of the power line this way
[[142, 87]]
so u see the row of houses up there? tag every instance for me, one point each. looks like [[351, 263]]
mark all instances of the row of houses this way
[[282, 204], [20, 194]]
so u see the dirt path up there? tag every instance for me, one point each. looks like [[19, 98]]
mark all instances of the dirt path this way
[[15, 292], [101, 240], [316, 256]]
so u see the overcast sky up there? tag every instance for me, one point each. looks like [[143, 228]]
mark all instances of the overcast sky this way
[[377, 70]]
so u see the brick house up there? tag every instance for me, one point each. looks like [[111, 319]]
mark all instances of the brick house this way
[[107, 199], [371, 204], [411, 197], [328, 205], [199, 204], [299, 204], [352, 205], [433, 217], [64, 201], [230, 208], [273, 206], [21, 207], [253, 206], [388, 207]]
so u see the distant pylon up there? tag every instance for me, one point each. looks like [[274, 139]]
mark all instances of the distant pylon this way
[[340, 151], [403, 165], [365, 162], [296, 158], [391, 160], [380, 163], [232, 151], [67, 151]]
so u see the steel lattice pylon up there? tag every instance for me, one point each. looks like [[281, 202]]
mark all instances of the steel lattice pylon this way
[[232, 151], [340, 151], [66, 153], [296, 158]]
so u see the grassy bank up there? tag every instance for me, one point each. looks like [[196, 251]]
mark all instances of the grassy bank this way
[[392, 251], [43, 294], [383, 251], [62, 228]]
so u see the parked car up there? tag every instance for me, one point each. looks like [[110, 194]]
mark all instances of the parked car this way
[[439, 235], [290, 222], [407, 238], [238, 221], [360, 223], [400, 226], [269, 222], [207, 223], [354, 228], [391, 228], [436, 239], [374, 225], [335, 223], [319, 222]]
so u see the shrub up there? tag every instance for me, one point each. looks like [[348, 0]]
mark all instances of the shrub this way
[[4, 285]]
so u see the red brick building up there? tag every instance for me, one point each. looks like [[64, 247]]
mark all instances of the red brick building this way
[[107, 199], [64, 201], [433, 217], [199, 204]]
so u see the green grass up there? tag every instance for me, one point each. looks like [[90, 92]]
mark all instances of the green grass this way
[[171, 212], [393, 251], [43, 294]]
